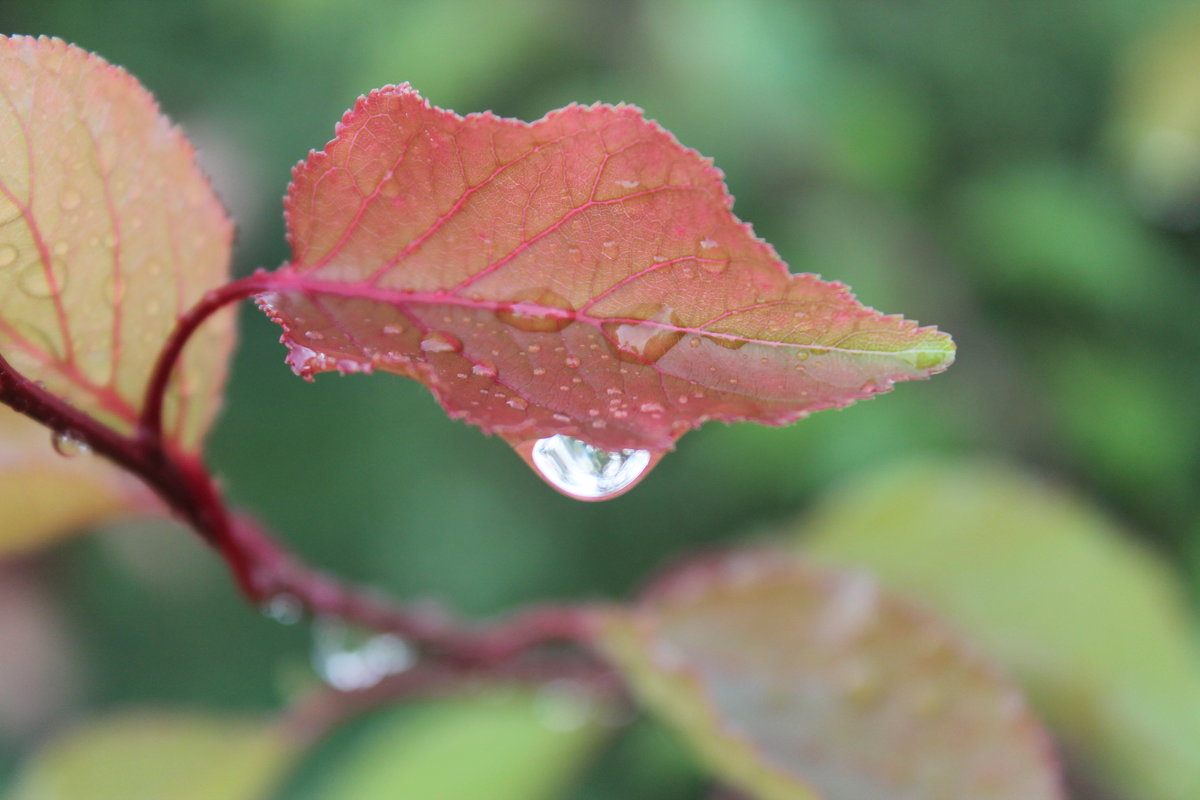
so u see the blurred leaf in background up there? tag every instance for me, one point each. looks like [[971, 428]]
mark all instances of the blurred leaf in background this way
[[1093, 625]]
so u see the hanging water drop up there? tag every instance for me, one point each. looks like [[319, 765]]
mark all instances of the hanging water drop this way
[[350, 659], [68, 444], [284, 608], [582, 470]]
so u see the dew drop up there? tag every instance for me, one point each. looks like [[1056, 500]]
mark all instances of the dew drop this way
[[518, 403], [71, 200], [534, 348], [316, 336], [715, 267], [538, 311], [349, 659], [8, 254], [727, 343], [35, 282], [582, 470], [539, 371], [484, 369], [644, 342], [624, 184], [440, 342], [708, 244], [393, 330], [572, 362], [650, 408], [68, 444], [285, 608]]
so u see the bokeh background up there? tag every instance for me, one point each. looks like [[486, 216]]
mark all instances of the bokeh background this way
[[1026, 175]]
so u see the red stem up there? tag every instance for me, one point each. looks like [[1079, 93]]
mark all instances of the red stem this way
[[261, 566], [150, 426]]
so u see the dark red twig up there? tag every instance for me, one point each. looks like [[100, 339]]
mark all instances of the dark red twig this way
[[261, 566], [150, 426]]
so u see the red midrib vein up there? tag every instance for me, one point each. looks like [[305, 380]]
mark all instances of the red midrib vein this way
[[289, 282]]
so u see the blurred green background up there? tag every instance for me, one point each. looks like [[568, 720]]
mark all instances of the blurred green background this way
[[1025, 175]]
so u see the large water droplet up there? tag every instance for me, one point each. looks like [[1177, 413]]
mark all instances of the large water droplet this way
[[581, 470], [439, 342], [68, 444], [538, 311], [8, 254], [348, 658]]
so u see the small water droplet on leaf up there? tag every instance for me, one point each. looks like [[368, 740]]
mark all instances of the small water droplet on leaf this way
[[440, 342], [538, 311]]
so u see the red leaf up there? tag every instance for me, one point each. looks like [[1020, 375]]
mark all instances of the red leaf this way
[[581, 275]]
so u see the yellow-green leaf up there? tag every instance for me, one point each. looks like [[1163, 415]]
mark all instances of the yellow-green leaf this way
[[1093, 625], [158, 756], [797, 684], [108, 231], [44, 495], [515, 747]]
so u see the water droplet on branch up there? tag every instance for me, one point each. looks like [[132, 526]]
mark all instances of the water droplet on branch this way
[[284, 608], [68, 444], [349, 658], [582, 470]]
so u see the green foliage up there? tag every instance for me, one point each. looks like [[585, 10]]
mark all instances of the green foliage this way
[[158, 756], [515, 746]]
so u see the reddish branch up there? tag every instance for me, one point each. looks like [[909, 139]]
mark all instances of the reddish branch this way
[[261, 566]]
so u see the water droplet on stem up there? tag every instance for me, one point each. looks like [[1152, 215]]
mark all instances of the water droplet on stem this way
[[284, 608], [68, 444], [350, 659]]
